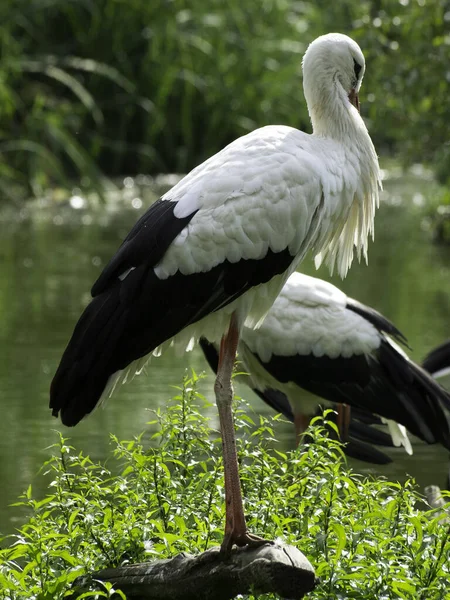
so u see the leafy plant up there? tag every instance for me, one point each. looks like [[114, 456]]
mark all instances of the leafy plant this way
[[116, 87], [161, 496]]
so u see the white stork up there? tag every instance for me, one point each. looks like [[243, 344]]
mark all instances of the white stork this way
[[437, 361], [213, 253], [315, 338]]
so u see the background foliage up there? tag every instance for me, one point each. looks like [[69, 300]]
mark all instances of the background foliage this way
[[120, 87], [365, 537]]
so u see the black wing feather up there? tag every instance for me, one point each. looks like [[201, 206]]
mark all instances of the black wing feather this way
[[128, 318], [146, 243], [438, 359], [387, 384], [378, 320]]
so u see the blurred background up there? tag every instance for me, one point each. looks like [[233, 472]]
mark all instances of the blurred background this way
[[101, 101]]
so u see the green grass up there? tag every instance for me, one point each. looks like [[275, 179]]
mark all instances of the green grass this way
[[157, 497]]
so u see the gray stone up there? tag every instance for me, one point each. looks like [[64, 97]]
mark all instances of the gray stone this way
[[272, 568]]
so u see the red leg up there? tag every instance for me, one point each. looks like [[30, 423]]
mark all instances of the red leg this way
[[301, 423], [343, 421], [235, 526]]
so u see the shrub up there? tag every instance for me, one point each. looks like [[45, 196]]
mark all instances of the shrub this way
[[164, 495], [121, 87]]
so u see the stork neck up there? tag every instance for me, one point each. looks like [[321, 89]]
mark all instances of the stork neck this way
[[333, 116], [343, 124]]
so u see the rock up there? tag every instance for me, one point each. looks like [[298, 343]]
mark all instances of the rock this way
[[273, 568]]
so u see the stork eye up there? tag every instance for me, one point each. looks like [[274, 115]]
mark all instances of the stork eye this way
[[357, 68]]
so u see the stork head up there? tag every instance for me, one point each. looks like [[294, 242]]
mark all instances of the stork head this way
[[333, 68]]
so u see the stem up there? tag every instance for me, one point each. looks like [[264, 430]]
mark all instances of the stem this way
[[162, 512]]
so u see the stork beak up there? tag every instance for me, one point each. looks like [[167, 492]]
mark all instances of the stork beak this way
[[353, 97]]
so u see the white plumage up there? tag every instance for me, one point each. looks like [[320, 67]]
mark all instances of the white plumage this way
[[316, 338], [263, 191], [215, 251], [310, 317]]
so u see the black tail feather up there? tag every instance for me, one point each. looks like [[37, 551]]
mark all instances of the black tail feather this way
[[355, 445], [365, 417], [88, 360], [276, 400], [422, 398], [366, 453], [366, 433], [438, 359]]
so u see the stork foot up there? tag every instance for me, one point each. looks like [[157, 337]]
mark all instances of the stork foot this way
[[241, 539]]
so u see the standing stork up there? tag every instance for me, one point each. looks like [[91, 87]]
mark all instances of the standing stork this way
[[214, 252], [316, 338]]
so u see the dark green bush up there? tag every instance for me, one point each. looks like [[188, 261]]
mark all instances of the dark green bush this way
[[122, 87], [161, 496]]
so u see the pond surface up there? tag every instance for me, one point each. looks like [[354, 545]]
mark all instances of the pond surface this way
[[50, 256]]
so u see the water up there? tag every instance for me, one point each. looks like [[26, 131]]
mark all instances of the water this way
[[49, 257]]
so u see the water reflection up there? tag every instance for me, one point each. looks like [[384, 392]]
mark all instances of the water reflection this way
[[50, 258]]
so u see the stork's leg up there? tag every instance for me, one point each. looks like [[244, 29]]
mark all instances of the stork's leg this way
[[343, 420], [235, 526], [301, 423]]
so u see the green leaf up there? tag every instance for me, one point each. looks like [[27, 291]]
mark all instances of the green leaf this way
[[73, 515], [405, 586], [339, 530]]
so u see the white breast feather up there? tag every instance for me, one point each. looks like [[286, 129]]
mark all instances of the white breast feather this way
[[358, 201]]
